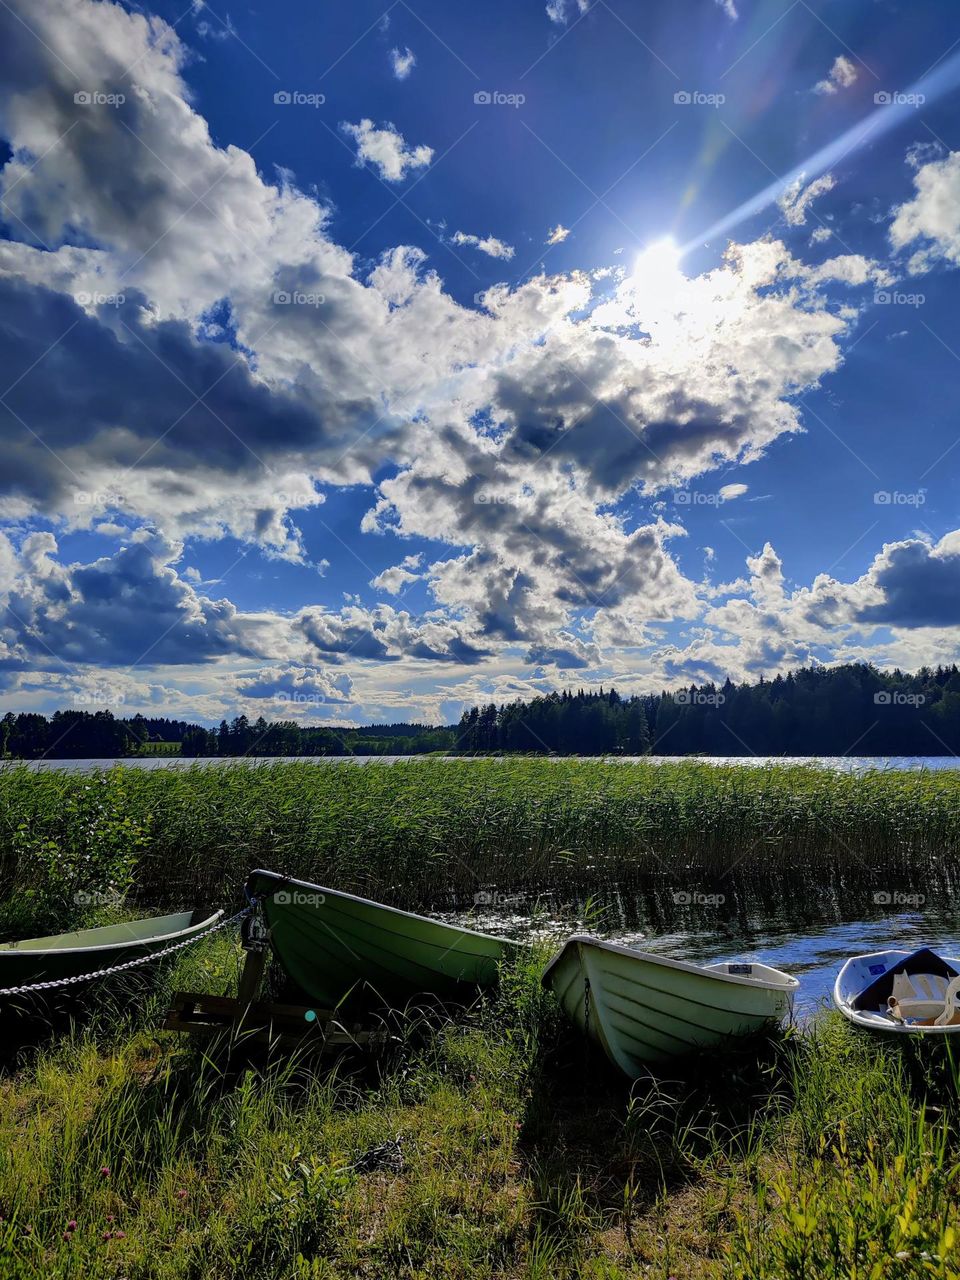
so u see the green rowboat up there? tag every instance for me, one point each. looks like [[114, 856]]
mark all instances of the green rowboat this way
[[643, 1008], [68, 955], [334, 944]]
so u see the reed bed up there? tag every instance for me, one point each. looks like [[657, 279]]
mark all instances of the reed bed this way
[[436, 833]]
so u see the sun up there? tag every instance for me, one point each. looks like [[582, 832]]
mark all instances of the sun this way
[[656, 272]]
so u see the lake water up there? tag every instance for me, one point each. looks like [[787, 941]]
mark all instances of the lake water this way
[[845, 764], [813, 951]]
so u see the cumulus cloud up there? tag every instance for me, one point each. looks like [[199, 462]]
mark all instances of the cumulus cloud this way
[[729, 8], [933, 215], [402, 62], [398, 576], [386, 149], [558, 234], [510, 433], [731, 491], [120, 610], [841, 75], [385, 634], [296, 687], [489, 245]]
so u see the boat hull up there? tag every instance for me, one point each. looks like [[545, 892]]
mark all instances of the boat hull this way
[[643, 1009], [852, 978], [68, 955], [334, 945]]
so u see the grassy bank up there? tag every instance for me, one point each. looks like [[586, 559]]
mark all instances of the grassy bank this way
[[429, 833], [125, 1154]]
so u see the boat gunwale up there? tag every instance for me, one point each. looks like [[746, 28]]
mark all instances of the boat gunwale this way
[[790, 984], [381, 906], [875, 1021], [16, 948]]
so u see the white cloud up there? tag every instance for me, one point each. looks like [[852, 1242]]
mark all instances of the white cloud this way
[[489, 245], [933, 215], [820, 235], [841, 75], [507, 434], [729, 8], [398, 576], [558, 234], [730, 491], [386, 149], [796, 200], [402, 62], [291, 687], [560, 11]]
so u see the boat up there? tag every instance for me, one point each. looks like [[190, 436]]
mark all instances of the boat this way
[[645, 1009], [912, 993], [334, 944], [69, 955]]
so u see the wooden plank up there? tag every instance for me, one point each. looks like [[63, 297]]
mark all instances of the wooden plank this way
[[199, 1013]]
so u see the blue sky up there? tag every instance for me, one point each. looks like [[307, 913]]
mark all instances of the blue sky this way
[[361, 362]]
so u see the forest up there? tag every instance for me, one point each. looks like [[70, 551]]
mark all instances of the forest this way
[[817, 711], [854, 709]]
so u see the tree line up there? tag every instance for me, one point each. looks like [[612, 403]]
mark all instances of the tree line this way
[[816, 711], [86, 735]]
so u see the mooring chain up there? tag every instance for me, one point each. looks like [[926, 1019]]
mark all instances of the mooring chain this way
[[127, 964]]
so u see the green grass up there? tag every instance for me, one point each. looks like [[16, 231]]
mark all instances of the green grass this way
[[820, 1156], [430, 833], [813, 1157]]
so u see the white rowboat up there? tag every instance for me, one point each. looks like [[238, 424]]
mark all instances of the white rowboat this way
[[642, 1008], [912, 993]]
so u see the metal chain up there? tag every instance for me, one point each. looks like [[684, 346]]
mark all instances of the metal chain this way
[[128, 964]]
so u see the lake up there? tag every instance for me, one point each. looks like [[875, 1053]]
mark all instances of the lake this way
[[845, 764]]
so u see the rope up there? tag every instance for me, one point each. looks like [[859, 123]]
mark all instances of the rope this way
[[128, 964]]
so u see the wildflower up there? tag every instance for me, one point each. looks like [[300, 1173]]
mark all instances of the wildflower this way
[[72, 1224], [107, 1235], [181, 1194], [68, 1236], [105, 1171], [119, 1235]]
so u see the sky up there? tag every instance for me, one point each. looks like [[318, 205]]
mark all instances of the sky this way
[[363, 363]]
